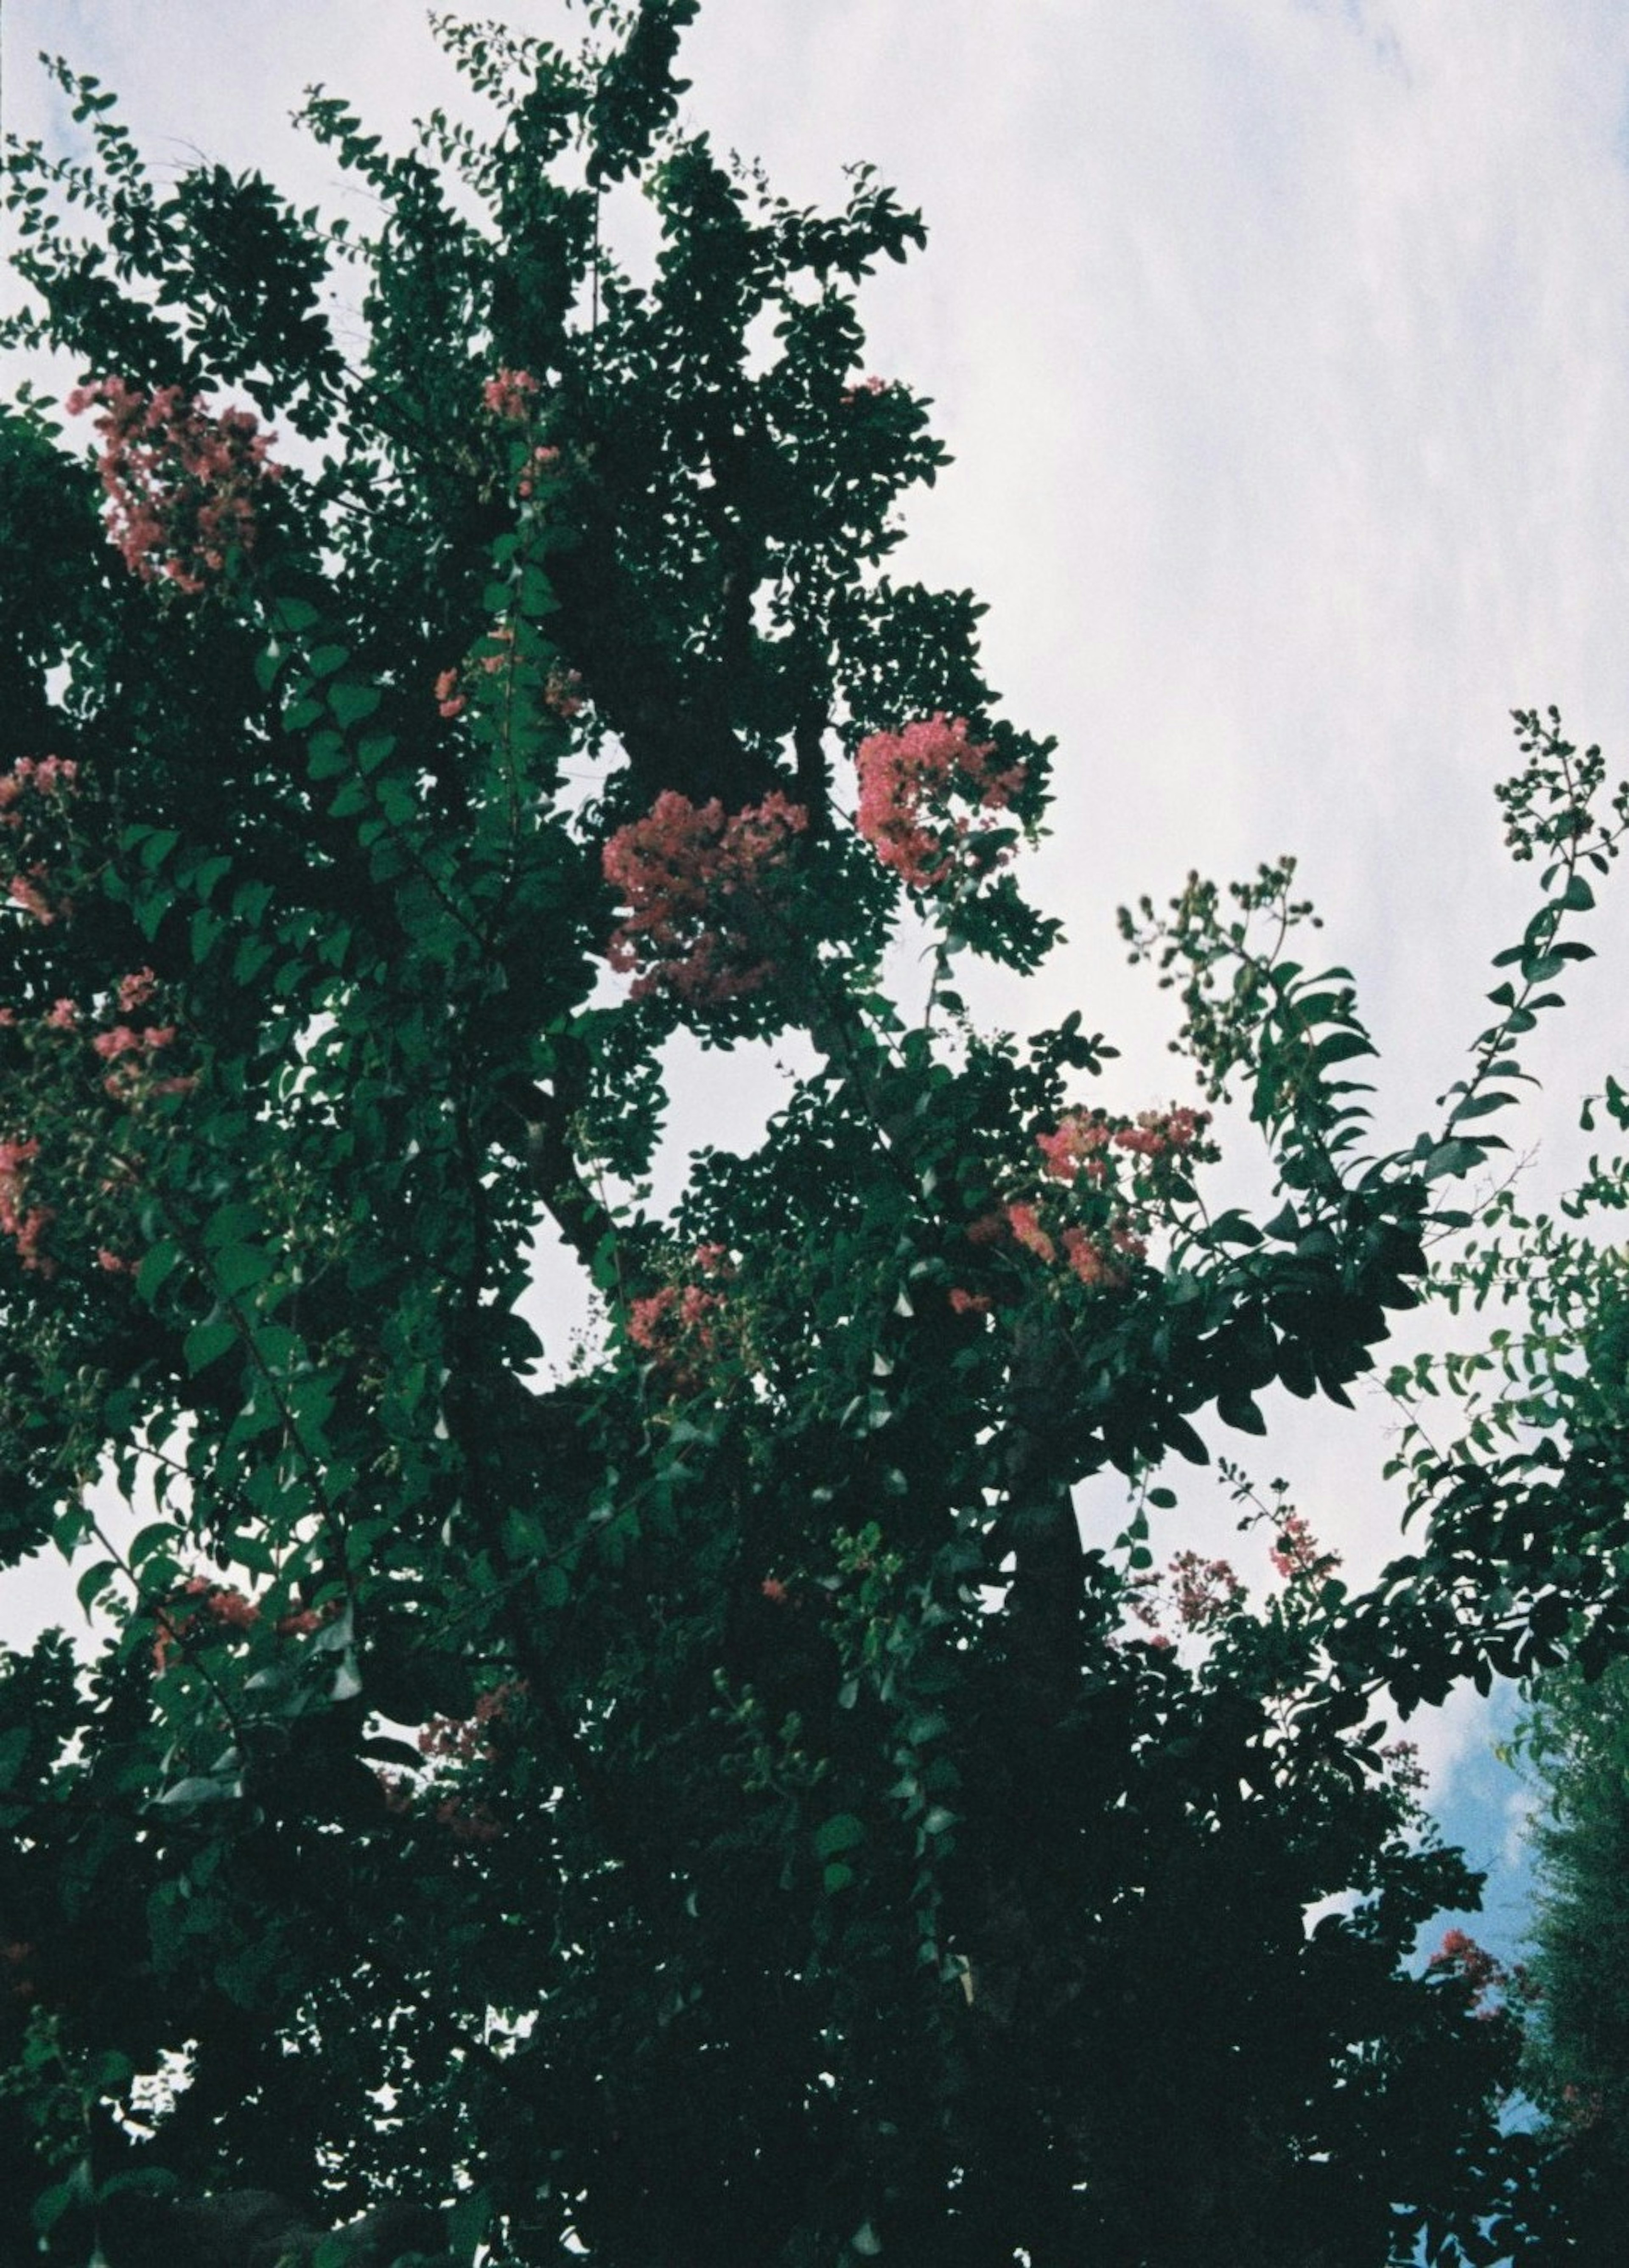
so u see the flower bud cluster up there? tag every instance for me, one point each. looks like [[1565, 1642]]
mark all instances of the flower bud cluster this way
[[183, 486]]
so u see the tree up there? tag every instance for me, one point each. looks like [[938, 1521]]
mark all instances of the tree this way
[[705, 1804], [1535, 1485]]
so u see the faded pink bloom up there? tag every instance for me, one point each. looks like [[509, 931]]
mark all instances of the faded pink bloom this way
[[1075, 1142], [563, 692], [775, 1590], [1158, 1131], [232, 1608], [449, 699], [111, 1262], [62, 1015], [989, 1228], [969, 1303], [137, 990]]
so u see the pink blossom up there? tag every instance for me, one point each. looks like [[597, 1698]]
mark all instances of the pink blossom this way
[[1024, 1221], [969, 1303], [62, 1015], [510, 394], [137, 990], [906, 781], [111, 1262], [25, 1225], [183, 485], [563, 692], [24, 890], [449, 699], [1079, 1135], [1205, 1590], [695, 883], [1296, 1555], [775, 1590], [1094, 1266]]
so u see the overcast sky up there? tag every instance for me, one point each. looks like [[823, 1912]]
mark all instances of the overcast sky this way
[[1283, 349]]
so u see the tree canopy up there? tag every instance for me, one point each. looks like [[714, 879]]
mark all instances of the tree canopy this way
[[695, 1797]]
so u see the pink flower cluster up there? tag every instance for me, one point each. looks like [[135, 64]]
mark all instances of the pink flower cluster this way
[[679, 1327], [129, 1053], [1296, 1555], [227, 1609], [906, 779], [510, 394], [1080, 1138], [696, 882], [52, 778], [563, 692], [1204, 1592], [183, 486], [1479, 1969], [1099, 1257], [465, 1739], [24, 1224], [544, 460]]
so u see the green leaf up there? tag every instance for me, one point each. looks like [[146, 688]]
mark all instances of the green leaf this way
[[325, 755], [1452, 1159], [840, 1832], [94, 1581], [349, 701], [208, 1341], [157, 1264], [14, 1752], [1181, 1437], [240, 1268], [293, 614], [467, 2223], [1479, 1106]]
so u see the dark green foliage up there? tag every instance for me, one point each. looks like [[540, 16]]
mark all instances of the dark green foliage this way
[[701, 1803]]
